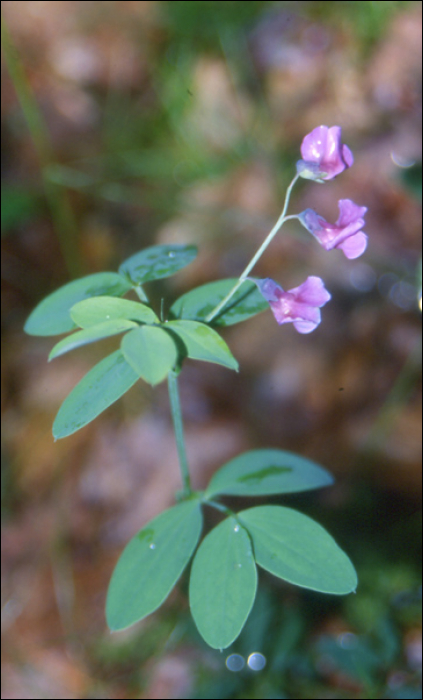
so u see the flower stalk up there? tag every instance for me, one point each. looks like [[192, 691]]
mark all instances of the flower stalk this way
[[259, 253]]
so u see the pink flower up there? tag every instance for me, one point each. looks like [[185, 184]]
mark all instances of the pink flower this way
[[345, 234], [299, 306], [324, 156]]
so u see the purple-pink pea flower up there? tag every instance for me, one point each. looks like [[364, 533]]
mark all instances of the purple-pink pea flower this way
[[299, 305], [346, 233], [324, 156]]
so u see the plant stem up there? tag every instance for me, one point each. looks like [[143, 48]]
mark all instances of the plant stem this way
[[57, 201], [220, 507], [259, 253], [175, 407]]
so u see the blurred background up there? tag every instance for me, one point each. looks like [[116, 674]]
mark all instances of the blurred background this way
[[126, 124]]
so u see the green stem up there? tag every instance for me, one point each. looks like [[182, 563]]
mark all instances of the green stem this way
[[220, 507], [175, 407], [259, 253], [57, 201]]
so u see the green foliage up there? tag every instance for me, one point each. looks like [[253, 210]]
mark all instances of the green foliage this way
[[296, 548], [151, 353], [203, 343], [157, 262], [223, 583], [104, 384], [223, 579], [96, 310], [264, 472], [150, 350], [198, 303], [198, 25], [90, 335], [52, 315], [309, 660], [151, 564]]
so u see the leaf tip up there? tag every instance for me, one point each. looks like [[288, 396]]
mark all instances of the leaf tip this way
[[56, 435], [112, 627]]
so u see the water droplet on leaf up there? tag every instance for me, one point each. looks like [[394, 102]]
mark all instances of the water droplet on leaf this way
[[235, 662], [256, 661]]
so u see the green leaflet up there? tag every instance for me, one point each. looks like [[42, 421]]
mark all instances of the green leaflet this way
[[157, 262], [151, 564], [151, 352], [263, 472], [52, 317], [223, 584], [294, 547], [198, 303], [90, 335], [90, 312], [203, 343], [102, 385]]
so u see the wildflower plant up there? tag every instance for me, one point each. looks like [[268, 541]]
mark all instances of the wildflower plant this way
[[284, 542]]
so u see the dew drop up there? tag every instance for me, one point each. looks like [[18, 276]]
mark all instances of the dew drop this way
[[171, 254], [235, 662], [236, 528], [152, 546], [256, 661]]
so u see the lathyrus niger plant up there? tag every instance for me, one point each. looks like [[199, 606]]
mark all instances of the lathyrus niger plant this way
[[288, 544]]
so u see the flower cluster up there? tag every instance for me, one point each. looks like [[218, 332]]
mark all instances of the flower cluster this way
[[324, 157]]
